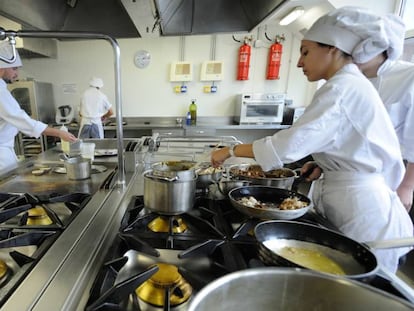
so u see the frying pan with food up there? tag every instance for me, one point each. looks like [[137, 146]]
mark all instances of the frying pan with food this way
[[270, 199], [355, 259]]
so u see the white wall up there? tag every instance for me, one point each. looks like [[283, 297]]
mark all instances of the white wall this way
[[148, 92]]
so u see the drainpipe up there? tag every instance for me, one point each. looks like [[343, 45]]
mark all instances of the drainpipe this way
[[117, 56]]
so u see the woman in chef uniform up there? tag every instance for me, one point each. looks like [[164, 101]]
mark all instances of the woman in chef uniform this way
[[94, 107], [14, 119], [349, 134], [394, 80]]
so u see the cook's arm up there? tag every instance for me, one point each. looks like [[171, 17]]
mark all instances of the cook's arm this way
[[242, 150], [406, 188], [50, 131]]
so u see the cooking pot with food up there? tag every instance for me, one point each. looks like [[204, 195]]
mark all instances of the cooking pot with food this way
[[182, 170], [280, 178], [273, 289], [170, 195], [207, 174]]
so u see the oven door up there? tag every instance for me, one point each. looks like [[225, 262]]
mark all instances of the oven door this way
[[261, 112]]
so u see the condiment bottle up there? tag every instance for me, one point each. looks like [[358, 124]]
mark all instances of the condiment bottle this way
[[188, 118], [193, 112], [65, 144]]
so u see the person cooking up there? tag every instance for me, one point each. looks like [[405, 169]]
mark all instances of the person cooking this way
[[94, 108], [394, 81], [14, 119], [347, 131]]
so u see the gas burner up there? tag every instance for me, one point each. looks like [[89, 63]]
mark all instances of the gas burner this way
[[164, 224], [37, 216], [5, 273], [166, 283], [45, 211], [20, 250]]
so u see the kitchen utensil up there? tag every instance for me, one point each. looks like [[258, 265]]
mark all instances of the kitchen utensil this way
[[356, 259], [78, 168], [272, 289], [280, 178], [266, 194], [169, 196], [207, 174], [225, 185]]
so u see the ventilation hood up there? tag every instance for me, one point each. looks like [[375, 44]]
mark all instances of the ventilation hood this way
[[143, 18]]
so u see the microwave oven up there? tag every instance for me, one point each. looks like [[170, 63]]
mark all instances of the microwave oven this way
[[259, 108]]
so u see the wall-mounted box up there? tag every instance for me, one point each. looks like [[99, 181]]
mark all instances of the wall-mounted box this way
[[211, 71], [181, 71]]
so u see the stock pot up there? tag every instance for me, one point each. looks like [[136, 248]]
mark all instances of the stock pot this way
[[271, 289], [169, 187]]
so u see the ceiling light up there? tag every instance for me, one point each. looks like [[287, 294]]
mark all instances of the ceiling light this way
[[292, 16]]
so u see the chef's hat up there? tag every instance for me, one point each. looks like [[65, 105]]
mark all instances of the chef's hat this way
[[359, 33], [96, 82], [7, 52]]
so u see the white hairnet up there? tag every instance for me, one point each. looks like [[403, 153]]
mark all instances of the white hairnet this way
[[96, 82], [7, 52], [359, 33]]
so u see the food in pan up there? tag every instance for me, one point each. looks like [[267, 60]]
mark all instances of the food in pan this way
[[209, 170], [292, 203], [289, 203], [307, 258], [255, 171]]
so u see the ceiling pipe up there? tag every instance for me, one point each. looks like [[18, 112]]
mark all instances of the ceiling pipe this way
[[117, 57]]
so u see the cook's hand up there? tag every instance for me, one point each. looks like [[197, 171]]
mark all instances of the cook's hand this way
[[67, 136], [219, 156], [314, 168], [406, 196]]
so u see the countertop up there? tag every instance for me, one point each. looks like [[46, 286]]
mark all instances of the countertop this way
[[222, 123]]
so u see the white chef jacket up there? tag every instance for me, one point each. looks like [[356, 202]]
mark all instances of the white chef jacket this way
[[12, 120], [349, 134], [94, 104], [395, 84]]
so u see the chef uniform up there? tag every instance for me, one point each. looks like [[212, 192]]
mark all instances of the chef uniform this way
[[350, 136], [94, 104], [12, 118]]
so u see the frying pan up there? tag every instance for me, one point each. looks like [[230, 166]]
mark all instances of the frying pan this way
[[266, 194], [356, 259]]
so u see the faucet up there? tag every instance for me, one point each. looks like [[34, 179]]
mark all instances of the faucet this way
[[154, 142]]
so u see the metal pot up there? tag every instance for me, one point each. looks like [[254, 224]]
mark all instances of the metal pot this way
[[207, 175], [272, 289], [169, 196], [183, 170], [78, 168], [225, 185], [241, 171]]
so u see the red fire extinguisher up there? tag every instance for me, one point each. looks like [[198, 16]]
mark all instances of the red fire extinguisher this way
[[275, 57], [244, 62]]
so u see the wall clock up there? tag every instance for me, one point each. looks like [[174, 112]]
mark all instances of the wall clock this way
[[142, 59]]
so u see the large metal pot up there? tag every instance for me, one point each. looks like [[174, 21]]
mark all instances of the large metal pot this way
[[78, 168], [271, 289], [183, 170], [169, 196], [280, 178]]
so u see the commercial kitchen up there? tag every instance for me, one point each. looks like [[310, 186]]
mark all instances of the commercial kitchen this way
[[104, 244]]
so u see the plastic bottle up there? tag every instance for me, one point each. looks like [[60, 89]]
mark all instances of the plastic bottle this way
[[65, 144], [188, 118], [193, 112]]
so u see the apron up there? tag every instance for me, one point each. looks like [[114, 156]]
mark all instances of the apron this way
[[364, 208], [88, 121], [8, 159]]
